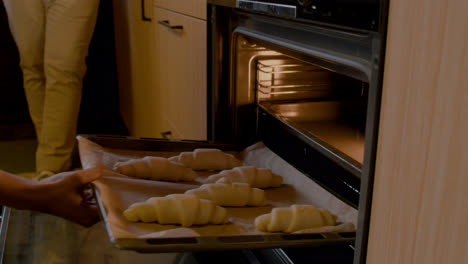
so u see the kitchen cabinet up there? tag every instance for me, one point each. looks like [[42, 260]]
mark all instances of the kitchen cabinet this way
[[162, 71], [180, 74], [193, 8], [134, 48], [419, 207]]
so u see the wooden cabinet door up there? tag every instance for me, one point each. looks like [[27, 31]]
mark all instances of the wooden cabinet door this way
[[160, 74], [181, 73], [134, 50], [419, 205], [195, 8]]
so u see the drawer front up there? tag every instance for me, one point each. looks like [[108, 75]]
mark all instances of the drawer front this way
[[195, 8], [181, 73]]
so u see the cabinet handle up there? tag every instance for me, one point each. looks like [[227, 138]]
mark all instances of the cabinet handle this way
[[166, 24], [166, 134], [143, 16]]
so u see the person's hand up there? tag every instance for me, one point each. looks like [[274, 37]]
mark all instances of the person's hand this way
[[67, 195]]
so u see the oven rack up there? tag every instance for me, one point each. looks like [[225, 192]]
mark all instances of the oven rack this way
[[268, 87], [285, 77], [286, 66]]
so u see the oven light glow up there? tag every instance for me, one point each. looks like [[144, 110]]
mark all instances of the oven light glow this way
[[262, 76], [264, 91], [272, 62], [290, 114]]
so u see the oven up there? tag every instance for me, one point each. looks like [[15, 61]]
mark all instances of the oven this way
[[304, 77]]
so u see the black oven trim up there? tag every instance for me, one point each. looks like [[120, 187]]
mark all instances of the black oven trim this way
[[367, 183], [357, 15]]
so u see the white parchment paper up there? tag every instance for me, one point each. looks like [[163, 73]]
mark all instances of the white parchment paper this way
[[117, 192]]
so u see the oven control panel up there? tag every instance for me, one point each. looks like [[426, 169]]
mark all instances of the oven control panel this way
[[359, 14]]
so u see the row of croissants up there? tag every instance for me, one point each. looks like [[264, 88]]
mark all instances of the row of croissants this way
[[234, 186]]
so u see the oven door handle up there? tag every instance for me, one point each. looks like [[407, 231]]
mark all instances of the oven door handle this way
[[166, 24]]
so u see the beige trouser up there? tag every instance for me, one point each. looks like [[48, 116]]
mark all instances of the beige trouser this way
[[52, 37]]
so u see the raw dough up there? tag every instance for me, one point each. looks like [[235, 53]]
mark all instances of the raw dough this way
[[207, 159], [230, 194], [155, 168], [294, 218], [256, 177], [183, 209]]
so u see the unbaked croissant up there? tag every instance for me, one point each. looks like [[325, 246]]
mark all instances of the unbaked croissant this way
[[294, 218], [255, 177], [207, 159], [186, 210], [230, 194], [155, 168]]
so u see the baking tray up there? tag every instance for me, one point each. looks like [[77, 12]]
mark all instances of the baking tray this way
[[202, 242]]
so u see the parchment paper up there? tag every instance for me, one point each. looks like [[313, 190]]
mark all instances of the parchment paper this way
[[118, 192]]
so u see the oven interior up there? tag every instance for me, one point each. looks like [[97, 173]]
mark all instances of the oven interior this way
[[314, 114], [324, 106]]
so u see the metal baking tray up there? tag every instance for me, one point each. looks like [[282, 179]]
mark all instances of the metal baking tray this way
[[203, 243], [4, 218]]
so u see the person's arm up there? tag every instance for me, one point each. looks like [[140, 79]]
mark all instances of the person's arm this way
[[62, 195], [15, 191]]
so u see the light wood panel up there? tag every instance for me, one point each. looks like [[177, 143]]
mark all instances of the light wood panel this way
[[160, 73], [420, 206], [134, 47], [181, 74], [195, 8]]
